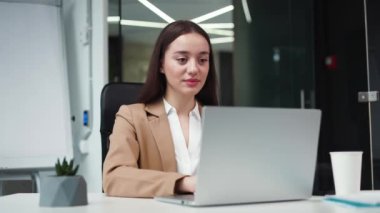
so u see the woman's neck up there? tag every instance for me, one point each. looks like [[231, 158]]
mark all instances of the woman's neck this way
[[182, 104]]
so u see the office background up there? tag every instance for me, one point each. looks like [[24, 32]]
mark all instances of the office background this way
[[293, 53]]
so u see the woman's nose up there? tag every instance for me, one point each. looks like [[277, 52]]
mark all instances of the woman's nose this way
[[193, 67]]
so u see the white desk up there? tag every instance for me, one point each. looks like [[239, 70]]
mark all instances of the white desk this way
[[100, 203]]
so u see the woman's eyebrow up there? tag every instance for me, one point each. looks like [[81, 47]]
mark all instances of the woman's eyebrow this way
[[204, 53], [187, 52], [181, 52]]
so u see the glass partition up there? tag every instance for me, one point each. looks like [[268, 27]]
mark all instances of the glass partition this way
[[273, 57]]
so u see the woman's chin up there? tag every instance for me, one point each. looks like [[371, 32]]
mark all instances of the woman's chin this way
[[190, 91]]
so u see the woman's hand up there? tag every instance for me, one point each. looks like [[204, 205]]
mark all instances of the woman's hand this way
[[186, 184]]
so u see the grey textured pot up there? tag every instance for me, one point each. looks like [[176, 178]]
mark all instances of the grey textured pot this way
[[63, 191]]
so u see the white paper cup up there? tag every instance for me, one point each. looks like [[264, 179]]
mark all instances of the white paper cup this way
[[347, 167]]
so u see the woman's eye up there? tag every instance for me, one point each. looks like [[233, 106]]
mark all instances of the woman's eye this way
[[203, 60], [181, 60]]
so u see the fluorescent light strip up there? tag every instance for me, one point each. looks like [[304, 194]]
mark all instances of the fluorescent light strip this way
[[162, 25], [218, 26], [220, 32], [246, 11], [157, 11], [113, 19], [213, 14], [222, 40], [143, 23]]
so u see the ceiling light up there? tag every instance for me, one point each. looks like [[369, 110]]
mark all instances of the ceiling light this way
[[213, 14], [143, 23], [220, 32], [157, 11], [218, 26], [113, 19], [162, 25], [222, 40], [246, 11]]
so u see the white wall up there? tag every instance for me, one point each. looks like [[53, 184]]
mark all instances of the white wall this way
[[88, 73], [34, 109], [91, 164], [87, 66]]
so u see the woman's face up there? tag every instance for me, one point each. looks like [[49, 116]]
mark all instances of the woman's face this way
[[186, 65]]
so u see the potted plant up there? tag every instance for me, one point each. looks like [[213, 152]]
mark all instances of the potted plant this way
[[65, 188]]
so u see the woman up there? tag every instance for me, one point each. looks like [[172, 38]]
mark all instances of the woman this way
[[155, 145]]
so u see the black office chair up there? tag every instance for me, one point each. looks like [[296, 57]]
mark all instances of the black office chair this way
[[113, 96]]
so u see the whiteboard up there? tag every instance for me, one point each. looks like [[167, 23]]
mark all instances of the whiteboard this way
[[34, 102]]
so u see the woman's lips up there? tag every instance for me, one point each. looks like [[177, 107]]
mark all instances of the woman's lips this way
[[192, 82]]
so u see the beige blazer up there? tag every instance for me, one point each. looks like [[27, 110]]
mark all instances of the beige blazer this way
[[141, 159]]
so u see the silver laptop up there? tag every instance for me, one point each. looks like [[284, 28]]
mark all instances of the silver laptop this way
[[253, 155]]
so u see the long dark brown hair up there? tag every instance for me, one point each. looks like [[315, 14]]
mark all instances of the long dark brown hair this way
[[155, 84]]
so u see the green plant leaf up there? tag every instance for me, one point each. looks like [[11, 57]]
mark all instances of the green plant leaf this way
[[57, 168], [73, 172], [64, 164], [71, 165], [66, 168]]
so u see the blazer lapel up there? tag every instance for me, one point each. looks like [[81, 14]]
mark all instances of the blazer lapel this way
[[160, 128]]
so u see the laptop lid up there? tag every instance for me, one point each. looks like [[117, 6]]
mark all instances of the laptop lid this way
[[256, 155]]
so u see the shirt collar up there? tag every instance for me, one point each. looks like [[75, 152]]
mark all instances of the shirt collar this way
[[194, 112], [168, 108]]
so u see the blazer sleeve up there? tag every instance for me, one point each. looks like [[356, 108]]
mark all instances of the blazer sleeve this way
[[121, 173]]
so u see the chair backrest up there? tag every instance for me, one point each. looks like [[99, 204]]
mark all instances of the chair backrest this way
[[112, 97]]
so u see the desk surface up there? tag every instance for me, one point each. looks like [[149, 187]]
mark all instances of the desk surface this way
[[100, 203]]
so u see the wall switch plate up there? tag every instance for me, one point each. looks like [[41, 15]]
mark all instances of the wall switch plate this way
[[368, 96]]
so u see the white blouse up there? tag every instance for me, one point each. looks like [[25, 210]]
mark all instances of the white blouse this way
[[187, 157]]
